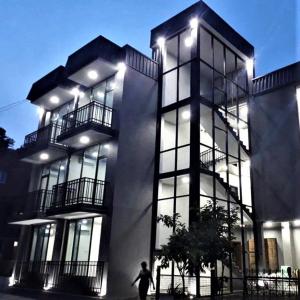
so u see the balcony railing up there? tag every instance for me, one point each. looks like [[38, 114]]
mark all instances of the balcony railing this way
[[79, 191], [93, 112], [62, 275], [44, 135]]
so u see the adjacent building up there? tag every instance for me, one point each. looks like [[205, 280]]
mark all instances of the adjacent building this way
[[123, 138]]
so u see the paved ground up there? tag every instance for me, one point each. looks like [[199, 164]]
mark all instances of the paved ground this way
[[13, 297]]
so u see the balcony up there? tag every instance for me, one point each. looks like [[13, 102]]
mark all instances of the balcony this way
[[33, 209], [80, 277], [78, 198], [41, 146], [92, 121]]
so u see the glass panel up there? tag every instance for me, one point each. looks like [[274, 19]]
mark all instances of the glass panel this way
[[62, 171], [84, 240], [71, 235], [102, 169], [206, 52], [218, 56], [206, 185], [185, 81], [206, 81], [184, 126], [242, 73], [168, 130], [99, 92], [90, 162], [167, 161], [185, 47], [206, 130], [183, 158], [75, 166], [33, 246], [84, 98], [166, 188], [169, 90], [182, 207], [96, 236], [51, 242], [230, 64], [183, 185], [171, 54]]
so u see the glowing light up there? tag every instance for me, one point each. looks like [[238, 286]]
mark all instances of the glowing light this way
[[84, 139], [161, 42], [189, 41], [47, 287], [185, 179], [40, 111], [186, 115], [194, 23], [298, 93], [44, 156], [269, 224], [16, 244], [121, 67], [84, 221], [297, 222], [249, 65], [112, 85], [54, 99], [48, 226], [76, 92], [11, 280], [100, 94], [92, 74], [106, 146], [95, 154], [62, 168], [244, 110]]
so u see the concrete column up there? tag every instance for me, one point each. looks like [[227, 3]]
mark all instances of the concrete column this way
[[286, 243]]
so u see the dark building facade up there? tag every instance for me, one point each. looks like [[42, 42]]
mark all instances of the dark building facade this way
[[123, 138]]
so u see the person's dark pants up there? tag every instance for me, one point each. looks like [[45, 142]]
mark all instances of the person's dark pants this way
[[143, 290]]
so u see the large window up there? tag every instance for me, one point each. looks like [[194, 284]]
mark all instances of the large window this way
[[43, 242], [84, 239]]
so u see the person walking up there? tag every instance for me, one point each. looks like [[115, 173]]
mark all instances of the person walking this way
[[144, 276]]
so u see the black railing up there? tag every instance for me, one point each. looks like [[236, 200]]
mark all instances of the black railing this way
[[93, 112], [207, 160], [79, 191], [44, 135], [62, 275]]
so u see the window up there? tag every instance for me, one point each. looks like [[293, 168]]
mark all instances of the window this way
[[3, 177]]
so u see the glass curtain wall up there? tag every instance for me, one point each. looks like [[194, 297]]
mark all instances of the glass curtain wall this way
[[204, 95]]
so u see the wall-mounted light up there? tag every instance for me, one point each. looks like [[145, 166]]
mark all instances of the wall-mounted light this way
[[92, 74], [194, 23], [54, 99], [161, 42], [268, 224], [44, 156], [121, 67], [16, 243], [189, 41], [84, 139]]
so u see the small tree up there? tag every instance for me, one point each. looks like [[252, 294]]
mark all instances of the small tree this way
[[5, 141], [207, 240]]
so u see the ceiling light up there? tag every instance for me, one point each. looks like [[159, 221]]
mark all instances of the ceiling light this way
[[84, 221], [92, 74], [62, 168], [185, 179], [84, 139], [186, 115], [188, 41], [249, 65], [54, 99], [194, 23], [161, 42], [76, 92], [44, 156]]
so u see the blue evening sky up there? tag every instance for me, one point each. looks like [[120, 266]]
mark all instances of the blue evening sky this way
[[36, 36]]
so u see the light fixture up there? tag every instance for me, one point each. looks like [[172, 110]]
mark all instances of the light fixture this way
[[62, 168], [92, 74], [106, 146], [48, 226], [100, 94], [84, 139], [194, 23], [47, 287], [161, 42], [269, 224], [298, 93], [84, 221], [186, 115], [47, 231], [189, 41], [40, 111], [297, 222], [44, 156], [121, 67], [76, 92], [54, 99], [95, 154], [11, 280], [185, 179], [15, 244], [249, 65]]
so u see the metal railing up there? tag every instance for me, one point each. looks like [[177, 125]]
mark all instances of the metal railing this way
[[93, 112], [62, 275], [207, 160], [79, 191], [44, 135]]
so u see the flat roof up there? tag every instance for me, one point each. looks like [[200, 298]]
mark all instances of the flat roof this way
[[204, 12]]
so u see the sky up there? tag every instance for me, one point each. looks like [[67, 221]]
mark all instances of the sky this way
[[37, 36]]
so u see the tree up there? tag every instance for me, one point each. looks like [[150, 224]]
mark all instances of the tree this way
[[5, 141], [207, 240]]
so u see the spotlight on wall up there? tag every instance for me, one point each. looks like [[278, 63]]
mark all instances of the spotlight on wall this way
[[194, 23], [189, 42], [161, 42], [92, 74], [249, 65], [84, 139], [269, 224], [185, 179], [16, 243], [186, 115], [44, 156], [298, 93], [54, 99]]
